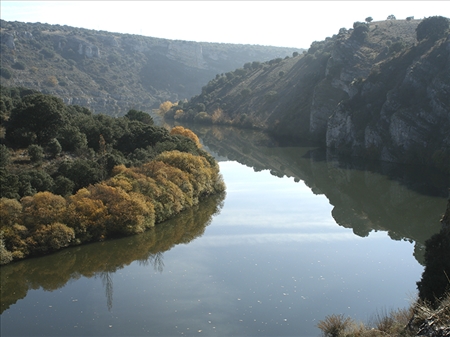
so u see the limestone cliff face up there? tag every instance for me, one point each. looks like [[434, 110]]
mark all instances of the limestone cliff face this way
[[406, 120], [353, 57]]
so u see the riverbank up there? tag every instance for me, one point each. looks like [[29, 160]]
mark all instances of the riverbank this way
[[130, 202], [69, 177], [429, 315]]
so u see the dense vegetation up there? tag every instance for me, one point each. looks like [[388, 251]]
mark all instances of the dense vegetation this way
[[68, 176], [109, 72]]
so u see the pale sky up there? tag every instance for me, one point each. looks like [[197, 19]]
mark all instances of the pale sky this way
[[275, 23]]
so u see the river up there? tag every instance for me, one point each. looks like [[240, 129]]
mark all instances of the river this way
[[299, 235]]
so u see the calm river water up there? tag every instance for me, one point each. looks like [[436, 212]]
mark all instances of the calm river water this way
[[298, 236]]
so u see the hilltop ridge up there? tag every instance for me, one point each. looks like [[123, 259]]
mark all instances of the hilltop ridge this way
[[111, 72]]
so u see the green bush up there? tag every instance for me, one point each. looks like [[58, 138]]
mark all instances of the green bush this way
[[54, 148], [5, 156], [360, 31], [434, 27], [63, 186], [47, 53], [245, 92], [5, 73], [203, 117], [36, 153], [19, 66], [396, 47], [271, 96]]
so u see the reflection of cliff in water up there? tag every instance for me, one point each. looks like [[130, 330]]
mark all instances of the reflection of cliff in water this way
[[405, 201], [101, 259], [434, 285]]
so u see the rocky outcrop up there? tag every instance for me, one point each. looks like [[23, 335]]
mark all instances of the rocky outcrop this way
[[406, 120]]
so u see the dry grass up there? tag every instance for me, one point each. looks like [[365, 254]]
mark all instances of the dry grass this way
[[420, 318], [427, 320], [334, 325]]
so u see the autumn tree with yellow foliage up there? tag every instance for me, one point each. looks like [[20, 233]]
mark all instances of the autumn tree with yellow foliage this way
[[179, 130], [128, 203], [165, 106]]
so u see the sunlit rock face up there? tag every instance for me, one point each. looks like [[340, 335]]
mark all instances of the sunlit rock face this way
[[410, 115]]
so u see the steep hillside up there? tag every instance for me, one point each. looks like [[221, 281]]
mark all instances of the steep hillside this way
[[111, 73], [374, 91]]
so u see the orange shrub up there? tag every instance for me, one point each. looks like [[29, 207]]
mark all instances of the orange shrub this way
[[50, 238], [43, 208], [179, 130], [87, 216], [127, 213], [10, 212], [164, 107]]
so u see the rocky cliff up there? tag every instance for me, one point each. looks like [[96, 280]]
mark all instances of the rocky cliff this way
[[402, 109], [372, 91], [111, 73]]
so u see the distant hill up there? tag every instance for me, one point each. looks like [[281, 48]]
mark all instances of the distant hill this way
[[374, 91], [112, 73]]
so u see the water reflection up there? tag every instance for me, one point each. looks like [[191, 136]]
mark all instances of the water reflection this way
[[108, 285], [405, 201], [435, 281], [103, 259]]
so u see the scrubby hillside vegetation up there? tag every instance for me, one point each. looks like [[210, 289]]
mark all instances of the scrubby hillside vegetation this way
[[380, 90], [68, 176], [112, 73]]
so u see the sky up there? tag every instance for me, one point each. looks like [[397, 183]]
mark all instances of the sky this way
[[275, 23]]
